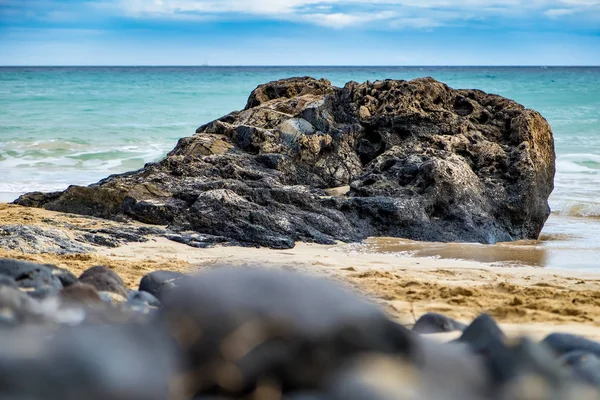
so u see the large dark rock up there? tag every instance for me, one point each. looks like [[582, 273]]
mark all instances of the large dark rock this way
[[420, 160], [239, 327]]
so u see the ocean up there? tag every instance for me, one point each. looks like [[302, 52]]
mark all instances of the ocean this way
[[74, 125]]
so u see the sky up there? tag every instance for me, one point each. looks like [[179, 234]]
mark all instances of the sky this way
[[300, 32]]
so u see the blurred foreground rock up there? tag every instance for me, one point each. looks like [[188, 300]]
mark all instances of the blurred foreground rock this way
[[230, 333]]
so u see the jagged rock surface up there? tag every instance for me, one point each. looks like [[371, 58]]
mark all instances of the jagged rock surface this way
[[31, 239], [420, 160]]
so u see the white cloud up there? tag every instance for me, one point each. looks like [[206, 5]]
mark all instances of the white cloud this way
[[343, 20], [558, 12], [346, 13]]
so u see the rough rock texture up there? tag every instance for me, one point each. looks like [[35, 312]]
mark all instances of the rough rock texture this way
[[420, 160], [36, 239]]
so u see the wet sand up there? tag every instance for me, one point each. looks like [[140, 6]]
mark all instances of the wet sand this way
[[525, 299], [567, 243]]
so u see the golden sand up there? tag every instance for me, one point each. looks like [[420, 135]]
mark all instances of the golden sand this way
[[524, 299]]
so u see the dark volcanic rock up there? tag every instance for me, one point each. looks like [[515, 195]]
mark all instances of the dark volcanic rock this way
[[101, 270], [104, 280], [116, 236], [196, 240], [437, 323], [253, 324], [421, 160], [155, 282], [31, 239], [37, 279], [563, 343]]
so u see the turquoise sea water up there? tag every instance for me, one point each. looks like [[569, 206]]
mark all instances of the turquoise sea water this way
[[61, 126]]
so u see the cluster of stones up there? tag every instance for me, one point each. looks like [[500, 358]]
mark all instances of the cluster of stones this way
[[249, 333]]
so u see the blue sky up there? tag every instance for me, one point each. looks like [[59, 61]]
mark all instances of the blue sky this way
[[299, 32]]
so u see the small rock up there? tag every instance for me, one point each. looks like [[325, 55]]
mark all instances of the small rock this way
[[196, 240], [80, 293], [563, 343], [17, 308], [482, 332], [143, 297], [65, 276], [37, 280], [140, 308], [155, 282], [364, 112], [485, 338], [104, 280], [99, 240], [585, 367], [102, 270], [437, 323], [112, 298]]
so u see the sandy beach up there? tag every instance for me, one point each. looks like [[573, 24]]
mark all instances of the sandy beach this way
[[524, 299]]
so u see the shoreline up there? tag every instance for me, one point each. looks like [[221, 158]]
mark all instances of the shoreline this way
[[523, 299]]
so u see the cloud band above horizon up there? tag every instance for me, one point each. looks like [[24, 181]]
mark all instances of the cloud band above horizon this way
[[354, 21]]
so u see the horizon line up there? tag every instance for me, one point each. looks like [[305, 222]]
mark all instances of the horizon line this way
[[300, 66]]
